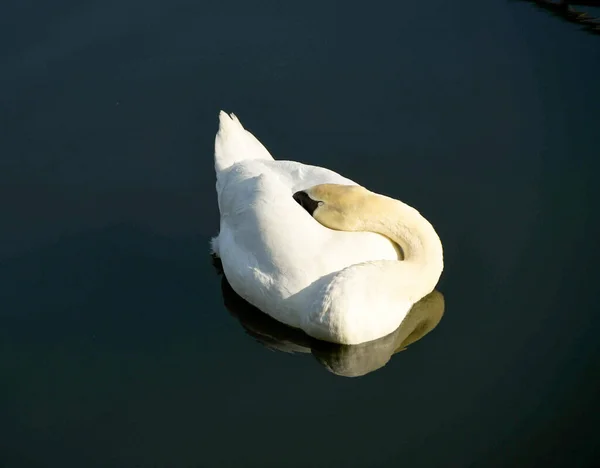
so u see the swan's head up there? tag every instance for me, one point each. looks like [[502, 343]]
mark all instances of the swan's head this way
[[336, 206]]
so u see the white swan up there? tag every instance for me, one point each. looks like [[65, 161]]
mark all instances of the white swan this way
[[336, 285]]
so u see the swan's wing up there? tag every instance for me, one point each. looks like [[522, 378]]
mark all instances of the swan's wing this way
[[234, 192], [300, 176]]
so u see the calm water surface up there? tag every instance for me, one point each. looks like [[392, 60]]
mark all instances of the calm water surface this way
[[120, 345]]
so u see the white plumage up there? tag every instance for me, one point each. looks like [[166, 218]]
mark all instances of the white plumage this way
[[337, 286]]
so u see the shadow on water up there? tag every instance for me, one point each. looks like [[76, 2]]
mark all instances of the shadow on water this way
[[342, 360]]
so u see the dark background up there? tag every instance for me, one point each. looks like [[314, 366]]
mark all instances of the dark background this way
[[116, 349]]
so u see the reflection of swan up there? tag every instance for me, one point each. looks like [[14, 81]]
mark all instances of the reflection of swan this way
[[344, 360], [338, 286]]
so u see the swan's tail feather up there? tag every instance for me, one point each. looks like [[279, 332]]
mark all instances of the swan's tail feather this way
[[234, 143]]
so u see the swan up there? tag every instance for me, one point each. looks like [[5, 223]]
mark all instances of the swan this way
[[313, 249]]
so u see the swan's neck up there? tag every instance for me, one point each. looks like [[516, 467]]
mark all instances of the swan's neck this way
[[423, 253]]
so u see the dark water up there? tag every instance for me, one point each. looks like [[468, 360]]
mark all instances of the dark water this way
[[116, 347]]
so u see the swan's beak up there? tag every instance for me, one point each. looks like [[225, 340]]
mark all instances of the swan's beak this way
[[306, 202]]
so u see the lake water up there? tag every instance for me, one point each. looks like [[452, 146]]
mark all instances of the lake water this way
[[117, 348]]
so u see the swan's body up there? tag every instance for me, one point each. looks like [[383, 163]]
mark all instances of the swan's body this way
[[338, 286]]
